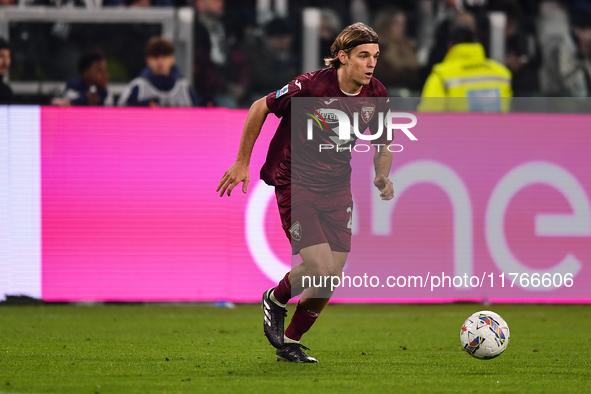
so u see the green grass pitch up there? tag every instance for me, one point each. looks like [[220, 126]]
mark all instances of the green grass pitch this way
[[159, 348]]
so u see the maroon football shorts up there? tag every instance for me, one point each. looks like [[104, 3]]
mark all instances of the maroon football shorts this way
[[311, 218]]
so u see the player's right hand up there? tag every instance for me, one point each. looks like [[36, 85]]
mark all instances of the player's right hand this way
[[232, 177]]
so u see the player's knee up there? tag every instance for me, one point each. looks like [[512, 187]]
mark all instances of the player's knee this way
[[328, 270], [319, 271]]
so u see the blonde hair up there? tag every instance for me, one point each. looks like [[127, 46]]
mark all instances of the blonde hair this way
[[351, 36]]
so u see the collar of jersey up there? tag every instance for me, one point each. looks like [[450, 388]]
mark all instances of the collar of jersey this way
[[349, 94]]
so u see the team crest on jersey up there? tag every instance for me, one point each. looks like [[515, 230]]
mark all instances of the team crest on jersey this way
[[296, 231], [367, 112]]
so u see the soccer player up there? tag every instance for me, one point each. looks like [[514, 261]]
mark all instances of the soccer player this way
[[317, 221]]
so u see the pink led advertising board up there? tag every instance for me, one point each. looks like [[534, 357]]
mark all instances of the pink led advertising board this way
[[486, 206]]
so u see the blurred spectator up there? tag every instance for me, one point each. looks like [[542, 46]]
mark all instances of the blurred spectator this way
[[450, 15], [138, 3], [522, 52], [567, 57], [442, 35], [160, 84], [580, 68], [270, 57], [399, 67], [220, 74], [91, 87], [330, 27], [467, 73], [7, 2], [60, 3], [6, 95]]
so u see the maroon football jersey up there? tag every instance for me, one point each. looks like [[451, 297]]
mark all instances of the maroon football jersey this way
[[292, 158]]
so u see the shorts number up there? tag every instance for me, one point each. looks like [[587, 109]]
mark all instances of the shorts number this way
[[350, 224]]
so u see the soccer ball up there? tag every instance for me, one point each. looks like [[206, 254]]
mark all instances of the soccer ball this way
[[485, 335]]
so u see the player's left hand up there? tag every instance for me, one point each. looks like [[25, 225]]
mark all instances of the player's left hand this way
[[385, 186]]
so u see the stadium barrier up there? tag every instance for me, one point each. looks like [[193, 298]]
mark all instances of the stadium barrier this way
[[26, 29]]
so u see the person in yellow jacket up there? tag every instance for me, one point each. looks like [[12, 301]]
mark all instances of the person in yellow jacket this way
[[467, 79]]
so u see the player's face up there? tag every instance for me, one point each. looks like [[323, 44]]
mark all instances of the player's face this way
[[97, 74], [4, 61], [160, 65], [361, 62]]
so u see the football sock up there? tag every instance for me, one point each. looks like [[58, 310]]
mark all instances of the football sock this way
[[282, 292], [289, 340], [272, 297], [301, 322]]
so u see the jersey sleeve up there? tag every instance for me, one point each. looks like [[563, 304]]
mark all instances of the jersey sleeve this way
[[279, 102]]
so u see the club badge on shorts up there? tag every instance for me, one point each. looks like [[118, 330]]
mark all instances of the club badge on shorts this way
[[296, 231], [367, 112]]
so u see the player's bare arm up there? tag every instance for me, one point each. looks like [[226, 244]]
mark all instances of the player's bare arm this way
[[238, 172], [382, 163]]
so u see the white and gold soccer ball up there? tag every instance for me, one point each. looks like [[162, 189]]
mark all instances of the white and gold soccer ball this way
[[484, 335]]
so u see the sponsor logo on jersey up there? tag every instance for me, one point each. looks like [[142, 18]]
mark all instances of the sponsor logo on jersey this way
[[367, 112], [296, 231], [298, 84], [328, 116], [282, 91], [332, 100]]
